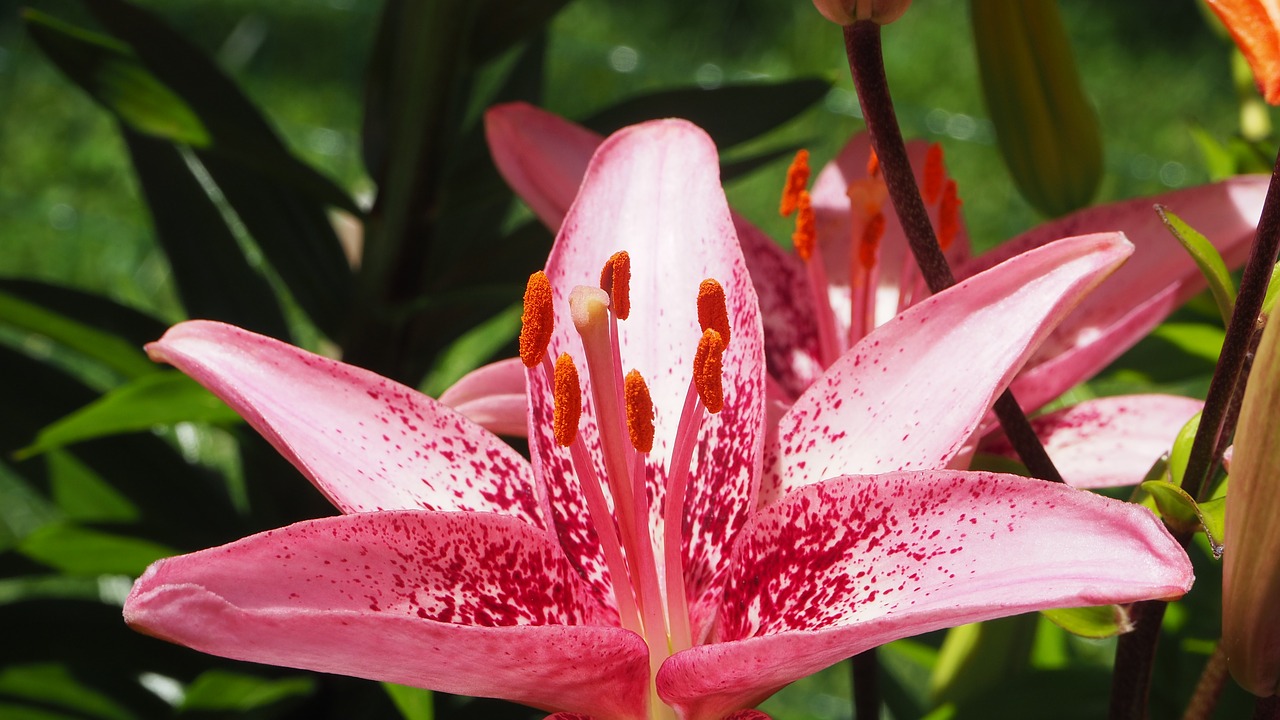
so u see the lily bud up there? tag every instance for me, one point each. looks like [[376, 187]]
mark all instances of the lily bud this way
[[1047, 132], [847, 12], [1251, 561]]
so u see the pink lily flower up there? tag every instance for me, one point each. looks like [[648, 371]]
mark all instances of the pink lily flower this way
[[646, 579], [857, 279]]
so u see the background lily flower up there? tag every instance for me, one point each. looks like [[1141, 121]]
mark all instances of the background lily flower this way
[[1255, 26], [543, 156], [462, 567]]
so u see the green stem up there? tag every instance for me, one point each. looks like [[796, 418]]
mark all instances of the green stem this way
[[866, 62]]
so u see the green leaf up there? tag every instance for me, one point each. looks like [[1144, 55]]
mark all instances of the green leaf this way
[[51, 685], [22, 510], [472, 350], [63, 587], [90, 309], [1213, 519], [731, 114], [1102, 621], [980, 656], [219, 690], [1218, 158], [162, 398], [105, 348], [1181, 449], [413, 703], [1273, 290], [82, 495], [1183, 515], [110, 72], [1207, 258], [79, 550], [215, 280]]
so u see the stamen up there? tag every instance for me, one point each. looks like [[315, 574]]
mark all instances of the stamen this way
[[805, 238], [639, 412], [708, 370], [567, 393], [873, 164], [797, 181], [934, 174], [538, 320], [712, 311], [869, 243], [615, 279], [949, 215]]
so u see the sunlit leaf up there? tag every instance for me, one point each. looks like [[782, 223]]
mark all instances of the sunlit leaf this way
[[1182, 514], [109, 350], [51, 685], [1181, 450], [83, 551], [82, 495], [227, 691], [1102, 621], [1207, 258], [162, 398], [413, 703]]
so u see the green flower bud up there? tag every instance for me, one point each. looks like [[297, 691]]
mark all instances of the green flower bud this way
[[1048, 133], [1251, 560]]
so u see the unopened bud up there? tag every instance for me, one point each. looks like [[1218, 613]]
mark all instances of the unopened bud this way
[[847, 12]]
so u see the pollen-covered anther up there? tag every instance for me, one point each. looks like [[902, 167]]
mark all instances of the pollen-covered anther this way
[[797, 181], [805, 237], [873, 164], [639, 411], [948, 215], [567, 394], [713, 313], [538, 320], [615, 279], [708, 370], [935, 174], [869, 243]]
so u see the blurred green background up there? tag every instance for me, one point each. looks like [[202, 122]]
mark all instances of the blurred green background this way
[[70, 210]]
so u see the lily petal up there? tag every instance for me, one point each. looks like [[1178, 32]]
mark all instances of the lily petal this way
[[1108, 441], [428, 599], [1255, 26], [543, 158], [654, 191], [1160, 276], [368, 443], [845, 565], [493, 396], [910, 393]]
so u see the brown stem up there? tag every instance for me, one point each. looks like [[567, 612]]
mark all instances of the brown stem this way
[[866, 62], [866, 685], [1209, 688], [1131, 680]]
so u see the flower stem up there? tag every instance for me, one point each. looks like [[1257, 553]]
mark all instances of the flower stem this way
[[1209, 688], [1253, 289], [866, 685], [1135, 655], [866, 62]]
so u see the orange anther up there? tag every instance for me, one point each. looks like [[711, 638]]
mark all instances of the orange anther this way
[[873, 164], [805, 236], [934, 174], [869, 243], [797, 181], [615, 279], [708, 371], [538, 320], [567, 394], [948, 215], [712, 311], [639, 411]]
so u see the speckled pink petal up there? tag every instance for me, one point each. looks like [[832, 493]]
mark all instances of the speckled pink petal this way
[[1159, 277], [835, 229], [654, 191], [368, 443], [543, 157], [910, 394], [467, 603], [850, 563], [493, 396], [1108, 441]]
